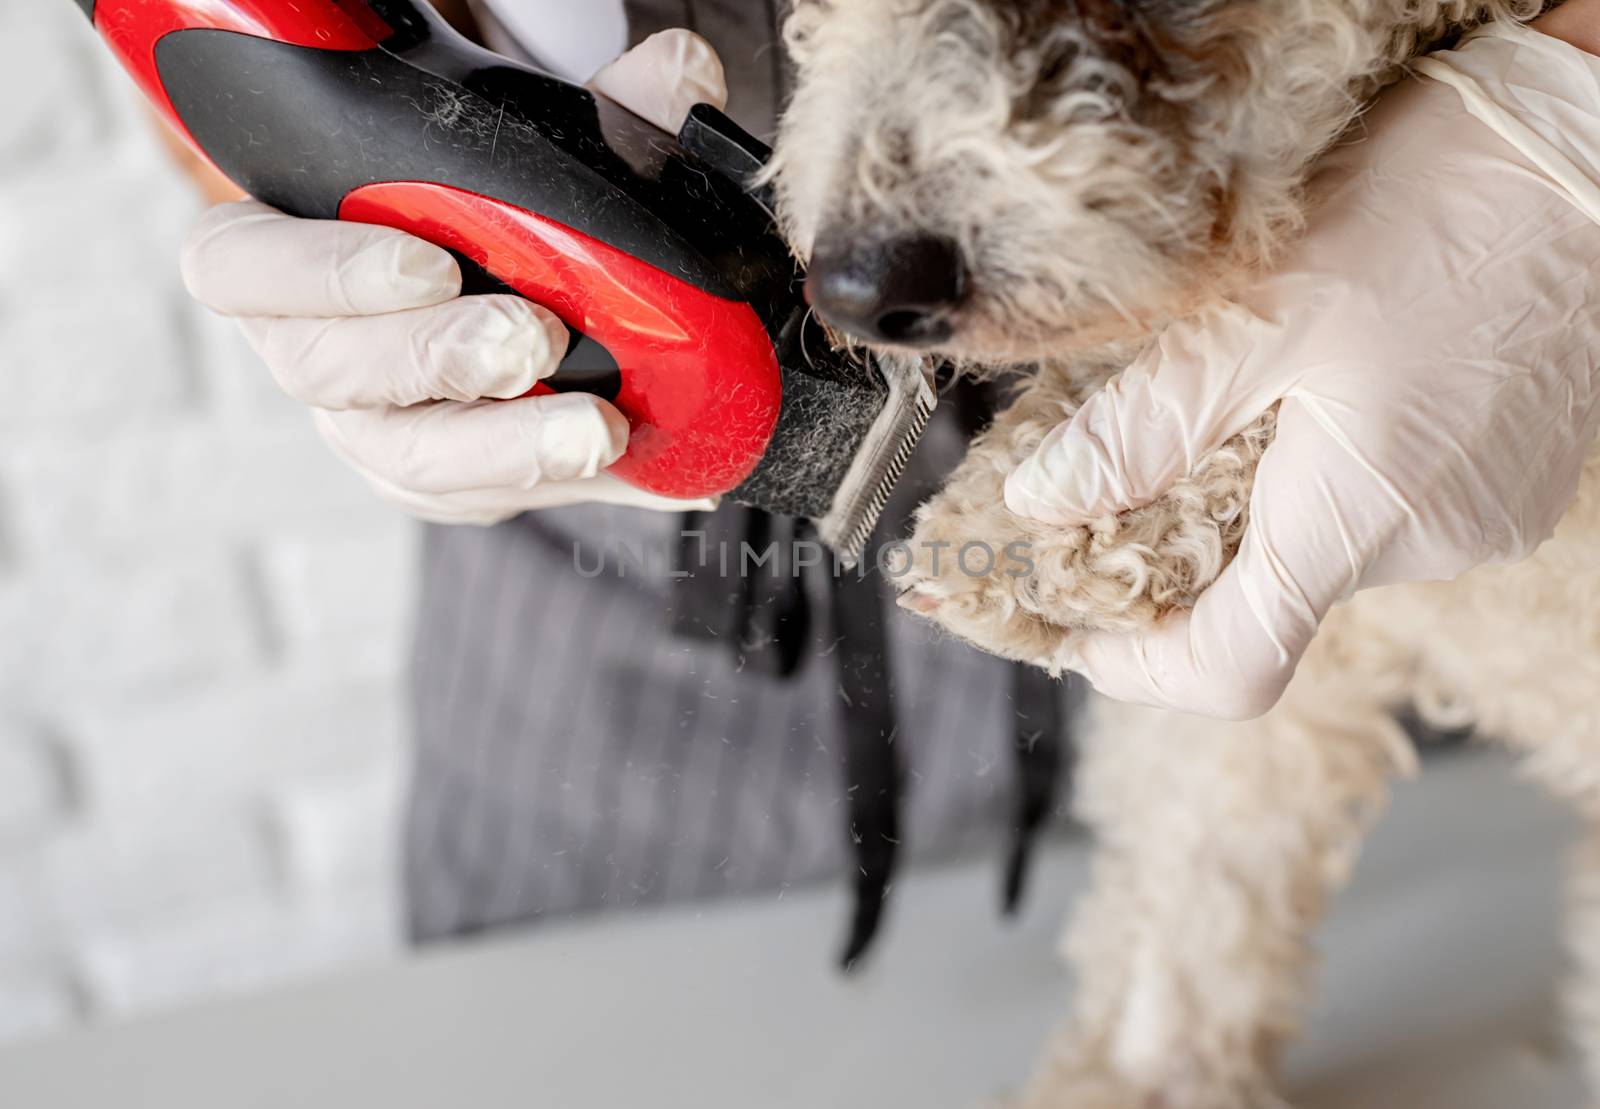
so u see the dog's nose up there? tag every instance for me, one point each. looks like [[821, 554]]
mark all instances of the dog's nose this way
[[901, 290]]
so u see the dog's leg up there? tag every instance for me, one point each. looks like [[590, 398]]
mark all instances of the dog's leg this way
[[1583, 942], [1568, 762], [1516, 649], [1219, 841], [1218, 846]]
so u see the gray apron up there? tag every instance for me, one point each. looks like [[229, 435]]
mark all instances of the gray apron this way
[[576, 750]]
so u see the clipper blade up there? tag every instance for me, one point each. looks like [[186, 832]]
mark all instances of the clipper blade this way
[[880, 459], [849, 424]]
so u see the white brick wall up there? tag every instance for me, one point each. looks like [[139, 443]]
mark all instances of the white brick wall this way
[[202, 614]]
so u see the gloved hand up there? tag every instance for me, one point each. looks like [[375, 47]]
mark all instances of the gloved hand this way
[[1433, 341], [366, 325]]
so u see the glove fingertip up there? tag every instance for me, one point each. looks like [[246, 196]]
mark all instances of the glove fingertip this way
[[501, 347], [532, 352], [579, 435], [617, 429], [665, 76], [430, 273], [1024, 498], [700, 72], [557, 337], [395, 271], [198, 264]]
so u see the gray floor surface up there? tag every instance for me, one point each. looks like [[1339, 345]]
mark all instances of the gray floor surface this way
[[1438, 989]]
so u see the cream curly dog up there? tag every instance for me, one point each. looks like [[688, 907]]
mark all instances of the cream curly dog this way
[[1102, 165]]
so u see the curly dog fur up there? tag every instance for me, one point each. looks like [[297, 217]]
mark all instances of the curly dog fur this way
[[1105, 165]]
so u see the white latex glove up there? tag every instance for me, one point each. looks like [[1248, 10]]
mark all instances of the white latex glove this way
[[1433, 340], [366, 325]]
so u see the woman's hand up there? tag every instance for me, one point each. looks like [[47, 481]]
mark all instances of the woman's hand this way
[[1432, 344], [415, 386]]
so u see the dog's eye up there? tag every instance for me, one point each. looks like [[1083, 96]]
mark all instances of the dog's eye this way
[[1045, 83], [1053, 69]]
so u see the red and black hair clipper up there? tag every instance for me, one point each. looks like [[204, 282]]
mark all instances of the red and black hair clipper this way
[[685, 305]]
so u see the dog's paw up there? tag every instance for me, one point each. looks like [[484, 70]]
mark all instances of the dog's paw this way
[[972, 567], [1019, 588]]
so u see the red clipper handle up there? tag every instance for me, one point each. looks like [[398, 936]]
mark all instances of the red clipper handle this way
[[322, 108]]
